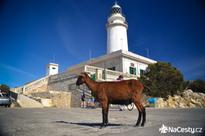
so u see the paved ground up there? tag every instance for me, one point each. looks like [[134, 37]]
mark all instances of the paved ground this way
[[86, 122]]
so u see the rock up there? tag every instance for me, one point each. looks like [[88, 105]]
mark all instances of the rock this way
[[191, 105], [189, 99], [171, 103], [177, 97], [160, 103], [182, 103], [202, 95], [196, 103], [187, 93], [196, 96]]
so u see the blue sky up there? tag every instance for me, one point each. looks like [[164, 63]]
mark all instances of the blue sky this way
[[36, 32]]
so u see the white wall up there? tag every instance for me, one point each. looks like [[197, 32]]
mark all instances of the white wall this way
[[51, 69], [127, 63], [116, 38]]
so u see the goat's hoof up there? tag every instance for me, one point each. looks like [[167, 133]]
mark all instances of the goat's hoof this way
[[103, 126], [137, 125]]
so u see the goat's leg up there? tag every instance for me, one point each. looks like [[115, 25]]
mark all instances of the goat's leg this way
[[144, 116], [104, 118], [104, 115], [142, 111], [107, 110], [139, 116]]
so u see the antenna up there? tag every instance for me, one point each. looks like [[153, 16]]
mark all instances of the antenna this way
[[90, 54], [147, 50], [53, 58]]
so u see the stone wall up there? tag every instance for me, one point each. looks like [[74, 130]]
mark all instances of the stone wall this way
[[61, 81], [65, 82], [61, 99]]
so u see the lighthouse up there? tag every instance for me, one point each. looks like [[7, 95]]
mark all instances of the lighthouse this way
[[118, 60], [116, 30]]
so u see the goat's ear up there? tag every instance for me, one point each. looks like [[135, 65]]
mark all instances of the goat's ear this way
[[85, 74], [82, 73], [89, 74]]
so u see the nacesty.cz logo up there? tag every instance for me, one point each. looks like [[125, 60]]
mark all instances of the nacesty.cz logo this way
[[167, 129]]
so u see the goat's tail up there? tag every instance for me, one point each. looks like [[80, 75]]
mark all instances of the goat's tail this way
[[146, 87], [147, 90]]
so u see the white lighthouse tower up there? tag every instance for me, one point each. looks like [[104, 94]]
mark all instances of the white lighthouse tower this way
[[116, 30]]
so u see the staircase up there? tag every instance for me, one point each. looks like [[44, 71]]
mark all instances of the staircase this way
[[27, 102]]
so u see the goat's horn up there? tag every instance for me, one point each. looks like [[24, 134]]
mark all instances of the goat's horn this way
[[85, 73], [82, 73]]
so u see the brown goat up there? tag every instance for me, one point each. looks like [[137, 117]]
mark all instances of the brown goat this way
[[117, 92]]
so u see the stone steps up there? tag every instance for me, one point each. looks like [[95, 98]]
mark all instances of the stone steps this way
[[27, 102]]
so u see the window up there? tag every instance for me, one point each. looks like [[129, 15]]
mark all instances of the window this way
[[133, 70], [141, 72], [53, 68], [112, 68]]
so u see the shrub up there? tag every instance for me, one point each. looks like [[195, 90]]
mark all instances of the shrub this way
[[197, 86], [163, 79]]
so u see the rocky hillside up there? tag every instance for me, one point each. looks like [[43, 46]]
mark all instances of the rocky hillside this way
[[188, 99]]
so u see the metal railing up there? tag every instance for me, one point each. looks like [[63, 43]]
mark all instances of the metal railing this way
[[107, 74]]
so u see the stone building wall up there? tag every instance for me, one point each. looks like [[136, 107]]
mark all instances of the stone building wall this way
[[65, 82]]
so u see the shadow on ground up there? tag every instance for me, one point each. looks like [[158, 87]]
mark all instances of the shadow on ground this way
[[87, 124]]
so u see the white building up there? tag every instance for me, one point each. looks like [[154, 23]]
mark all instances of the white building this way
[[118, 58], [51, 69]]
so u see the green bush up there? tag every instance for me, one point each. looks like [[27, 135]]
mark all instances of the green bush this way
[[197, 86], [162, 79]]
